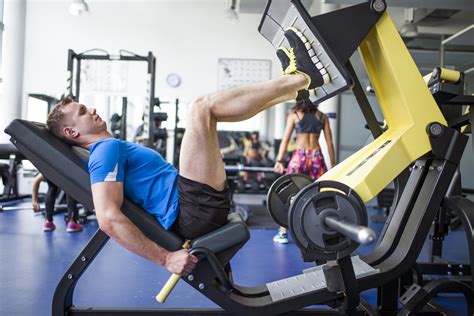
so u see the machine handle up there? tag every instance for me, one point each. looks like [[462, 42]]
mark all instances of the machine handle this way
[[171, 283], [361, 234], [215, 265]]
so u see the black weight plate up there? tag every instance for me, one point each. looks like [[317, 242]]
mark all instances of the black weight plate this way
[[321, 236], [280, 193], [306, 216]]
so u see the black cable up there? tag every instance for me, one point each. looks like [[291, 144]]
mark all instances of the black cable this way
[[128, 52], [92, 50]]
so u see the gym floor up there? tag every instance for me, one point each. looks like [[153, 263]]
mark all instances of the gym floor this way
[[32, 262]]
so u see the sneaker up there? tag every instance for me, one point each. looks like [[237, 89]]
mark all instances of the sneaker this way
[[283, 55], [303, 59], [49, 226], [74, 227], [281, 238]]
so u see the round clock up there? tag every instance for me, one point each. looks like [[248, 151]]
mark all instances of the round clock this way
[[173, 80]]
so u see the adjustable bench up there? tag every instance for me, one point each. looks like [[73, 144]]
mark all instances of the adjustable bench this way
[[66, 166]]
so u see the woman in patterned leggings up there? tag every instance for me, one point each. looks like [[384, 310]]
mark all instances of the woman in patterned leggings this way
[[308, 123]]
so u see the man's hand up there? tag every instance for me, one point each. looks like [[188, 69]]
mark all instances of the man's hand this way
[[180, 262]]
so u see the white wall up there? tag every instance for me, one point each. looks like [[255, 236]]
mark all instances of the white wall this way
[[12, 70], [187, 37]]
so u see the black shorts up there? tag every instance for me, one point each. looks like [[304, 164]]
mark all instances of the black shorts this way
[[201, 208]]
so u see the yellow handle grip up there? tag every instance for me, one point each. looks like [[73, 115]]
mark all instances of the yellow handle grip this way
[[450, 75], [444, 74], [169, 286], [171, 283]]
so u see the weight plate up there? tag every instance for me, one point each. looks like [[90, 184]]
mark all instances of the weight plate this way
[[280, 194], [306, 219]]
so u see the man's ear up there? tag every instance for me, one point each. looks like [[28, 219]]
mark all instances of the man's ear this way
[[69, 132]]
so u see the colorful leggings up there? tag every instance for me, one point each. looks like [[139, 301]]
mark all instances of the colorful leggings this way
[[307, 161]]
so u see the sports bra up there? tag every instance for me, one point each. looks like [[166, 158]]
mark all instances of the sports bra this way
[[310, 123]]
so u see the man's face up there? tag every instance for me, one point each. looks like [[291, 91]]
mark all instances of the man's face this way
[[84, 120]]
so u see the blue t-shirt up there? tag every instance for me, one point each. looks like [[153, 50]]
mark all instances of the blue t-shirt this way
[[148, 180]]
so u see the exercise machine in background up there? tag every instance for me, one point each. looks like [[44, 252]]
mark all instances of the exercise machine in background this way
[[73, 84], [447, 88], [118, 122], [8, 173], [151, 136]]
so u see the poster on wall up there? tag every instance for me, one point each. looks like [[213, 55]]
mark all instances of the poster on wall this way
[[233, 72]]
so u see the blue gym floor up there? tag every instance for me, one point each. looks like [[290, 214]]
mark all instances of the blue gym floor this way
[[32, 262]]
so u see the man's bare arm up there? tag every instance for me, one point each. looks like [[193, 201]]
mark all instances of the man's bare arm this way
[[108, 199]]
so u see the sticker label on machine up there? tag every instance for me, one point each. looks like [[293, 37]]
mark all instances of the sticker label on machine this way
[[363, 162]]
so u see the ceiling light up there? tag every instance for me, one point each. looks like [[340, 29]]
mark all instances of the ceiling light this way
[[231, 14], [78, 7], [409, 30]]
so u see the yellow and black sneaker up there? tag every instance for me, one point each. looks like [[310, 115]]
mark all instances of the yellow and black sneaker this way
[[286, 57], [303, 59], [283, 55]]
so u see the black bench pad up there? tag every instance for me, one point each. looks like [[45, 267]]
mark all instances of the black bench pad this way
[[66, 167], [234, 232]]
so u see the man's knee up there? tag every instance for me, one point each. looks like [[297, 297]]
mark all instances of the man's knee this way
[[200, 109]]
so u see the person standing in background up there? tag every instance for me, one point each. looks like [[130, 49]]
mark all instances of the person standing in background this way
[[307, 158], [72, 226]]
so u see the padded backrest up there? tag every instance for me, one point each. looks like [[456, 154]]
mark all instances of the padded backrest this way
[[67, 168]]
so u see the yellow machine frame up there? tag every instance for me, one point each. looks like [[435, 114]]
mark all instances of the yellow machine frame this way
[[408, 108]]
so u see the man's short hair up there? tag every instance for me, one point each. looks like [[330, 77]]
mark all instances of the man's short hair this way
[[57, 119]]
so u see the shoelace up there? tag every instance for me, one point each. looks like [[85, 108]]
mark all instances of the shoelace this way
[[292, 65]]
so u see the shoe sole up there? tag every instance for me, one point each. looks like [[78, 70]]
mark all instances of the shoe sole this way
[[306, 94], [312, 54], [322, 72], [280, 240], [283, 55]]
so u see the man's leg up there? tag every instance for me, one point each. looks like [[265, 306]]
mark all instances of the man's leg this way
[[200, 157]]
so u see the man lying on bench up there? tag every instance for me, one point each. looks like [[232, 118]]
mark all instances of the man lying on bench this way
[[192, 203]]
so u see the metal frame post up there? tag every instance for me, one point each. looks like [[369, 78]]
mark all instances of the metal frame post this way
[[151, 102]]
